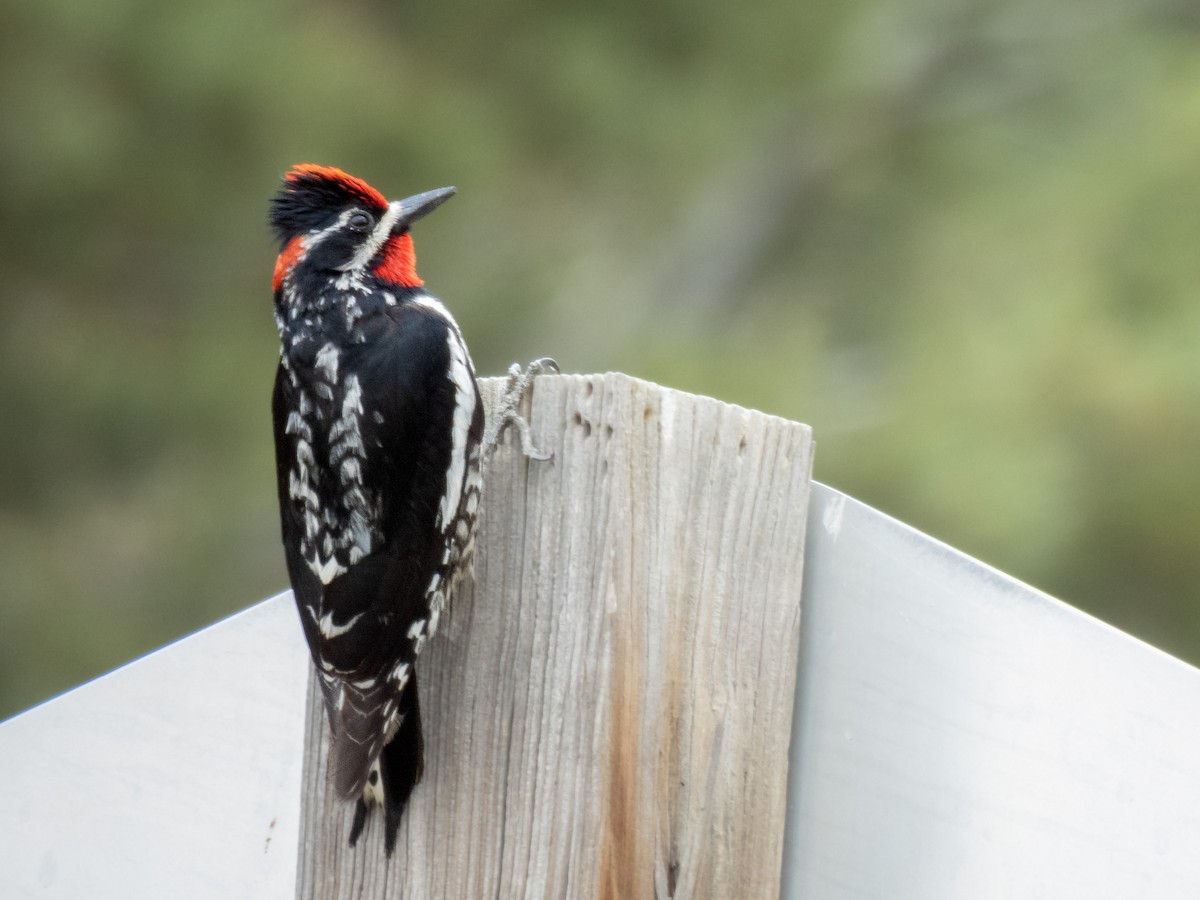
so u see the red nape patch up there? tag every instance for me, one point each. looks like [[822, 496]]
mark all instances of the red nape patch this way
[[283, 264], [344, 180], [399, 264]]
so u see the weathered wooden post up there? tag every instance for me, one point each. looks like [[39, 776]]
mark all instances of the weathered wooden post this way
[[608, 712]]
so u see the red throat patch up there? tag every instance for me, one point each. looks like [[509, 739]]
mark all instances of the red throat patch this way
[[399, 266], [284, 262]]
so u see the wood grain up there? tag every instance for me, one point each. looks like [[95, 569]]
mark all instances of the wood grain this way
[[608, 710]]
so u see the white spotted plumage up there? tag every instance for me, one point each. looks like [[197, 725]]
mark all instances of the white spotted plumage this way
[[329, 629], [351, 535]]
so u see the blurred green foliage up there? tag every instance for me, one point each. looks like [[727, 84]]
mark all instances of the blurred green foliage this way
[[957, 237]]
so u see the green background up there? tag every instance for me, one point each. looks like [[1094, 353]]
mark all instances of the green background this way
[[957, 238]]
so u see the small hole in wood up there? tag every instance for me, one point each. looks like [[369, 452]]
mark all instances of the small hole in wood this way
[[742, 446], [647, 413], [590, 388], [608, 431]]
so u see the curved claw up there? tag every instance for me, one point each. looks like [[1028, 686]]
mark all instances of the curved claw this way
[[527, 441], [510, 409]]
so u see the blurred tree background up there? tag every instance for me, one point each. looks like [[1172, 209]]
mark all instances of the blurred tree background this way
[[958, 237]]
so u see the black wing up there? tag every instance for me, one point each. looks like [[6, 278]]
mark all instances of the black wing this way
[[360, 626]]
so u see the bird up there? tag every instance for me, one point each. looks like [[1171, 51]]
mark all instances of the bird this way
[[379, 438]]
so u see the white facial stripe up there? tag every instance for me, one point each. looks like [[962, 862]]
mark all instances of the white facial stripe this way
[[313, 238], [374, 240]]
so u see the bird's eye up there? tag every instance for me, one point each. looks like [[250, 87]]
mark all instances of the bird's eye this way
[[360, 221]]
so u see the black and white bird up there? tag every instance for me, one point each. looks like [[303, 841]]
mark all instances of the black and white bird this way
[[378, 428]]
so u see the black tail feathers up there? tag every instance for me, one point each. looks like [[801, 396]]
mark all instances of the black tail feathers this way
[[401, 764]]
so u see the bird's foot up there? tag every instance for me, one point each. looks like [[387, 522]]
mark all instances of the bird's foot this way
[[509, 410]]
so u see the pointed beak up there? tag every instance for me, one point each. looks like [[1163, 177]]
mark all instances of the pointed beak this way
[[412, 208]]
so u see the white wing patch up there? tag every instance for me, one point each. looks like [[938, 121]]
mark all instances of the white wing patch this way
[[381, 232], [464, 408], [434, 305], [460, 499]]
